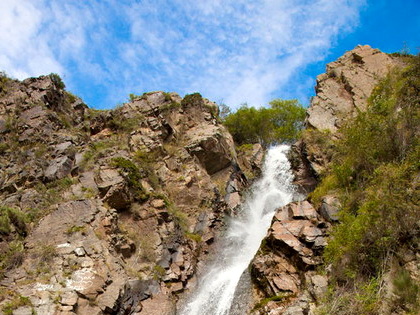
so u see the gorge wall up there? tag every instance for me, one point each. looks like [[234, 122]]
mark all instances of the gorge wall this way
[[102, 210]]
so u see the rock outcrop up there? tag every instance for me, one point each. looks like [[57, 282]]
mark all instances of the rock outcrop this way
[[107, 212], [341, 93], [284, 268], [344, 89]]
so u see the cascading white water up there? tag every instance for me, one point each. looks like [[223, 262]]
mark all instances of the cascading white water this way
[[216, 289]]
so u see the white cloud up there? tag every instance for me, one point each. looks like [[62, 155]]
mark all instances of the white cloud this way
[[235, 50]]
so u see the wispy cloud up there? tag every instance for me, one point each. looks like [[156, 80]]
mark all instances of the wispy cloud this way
[[232, 51]]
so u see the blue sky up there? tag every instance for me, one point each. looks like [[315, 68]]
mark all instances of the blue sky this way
[[230, 51]]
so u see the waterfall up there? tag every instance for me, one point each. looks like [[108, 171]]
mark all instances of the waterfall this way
[[216, 289]]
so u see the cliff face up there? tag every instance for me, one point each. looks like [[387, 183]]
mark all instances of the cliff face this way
[[102, 210], [284, 271], [343, 90], [341, 93]]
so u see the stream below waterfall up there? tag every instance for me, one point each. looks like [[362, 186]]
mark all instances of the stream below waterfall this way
[[216, 288]]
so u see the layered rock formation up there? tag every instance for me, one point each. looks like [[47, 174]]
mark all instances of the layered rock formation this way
[[107, 212]]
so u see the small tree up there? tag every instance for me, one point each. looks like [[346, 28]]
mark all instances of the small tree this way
[[281, 122]]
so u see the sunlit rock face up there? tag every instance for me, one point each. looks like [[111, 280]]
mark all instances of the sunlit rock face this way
[[344, 89], [107, 212]]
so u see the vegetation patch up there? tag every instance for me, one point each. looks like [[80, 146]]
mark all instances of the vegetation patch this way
[[56, 79], [12, 257], [16, 302], [275, 298], [133, 175], [279, 123], [76, 229], [192, 100], [10, 216]]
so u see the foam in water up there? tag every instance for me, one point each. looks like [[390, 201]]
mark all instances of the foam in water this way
[[216, 289]]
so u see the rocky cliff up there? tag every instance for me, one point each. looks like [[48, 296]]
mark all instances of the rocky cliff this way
[[107, 212], [286, 269]]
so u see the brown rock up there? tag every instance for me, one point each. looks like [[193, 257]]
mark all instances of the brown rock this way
[[69, 298], [59, 168], [212, 146], [158, 203], [345, 88], [118, 196], [303, 210]]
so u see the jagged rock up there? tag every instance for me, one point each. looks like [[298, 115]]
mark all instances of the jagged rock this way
[[83, 246], [304, 167], [211, 148], [133, 293], [59, 168], [118, 196], [251, 159], [292, 246], [317, 285], [344, 89], [302, 210]]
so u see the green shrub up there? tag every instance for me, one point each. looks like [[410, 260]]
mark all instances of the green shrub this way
[[12, 257], [4, 79], [133, 175], [56, 79], [10, 216], [3, 147], [192, 100], [121, 123], [360, 299], [133, 97], [407, 292]]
